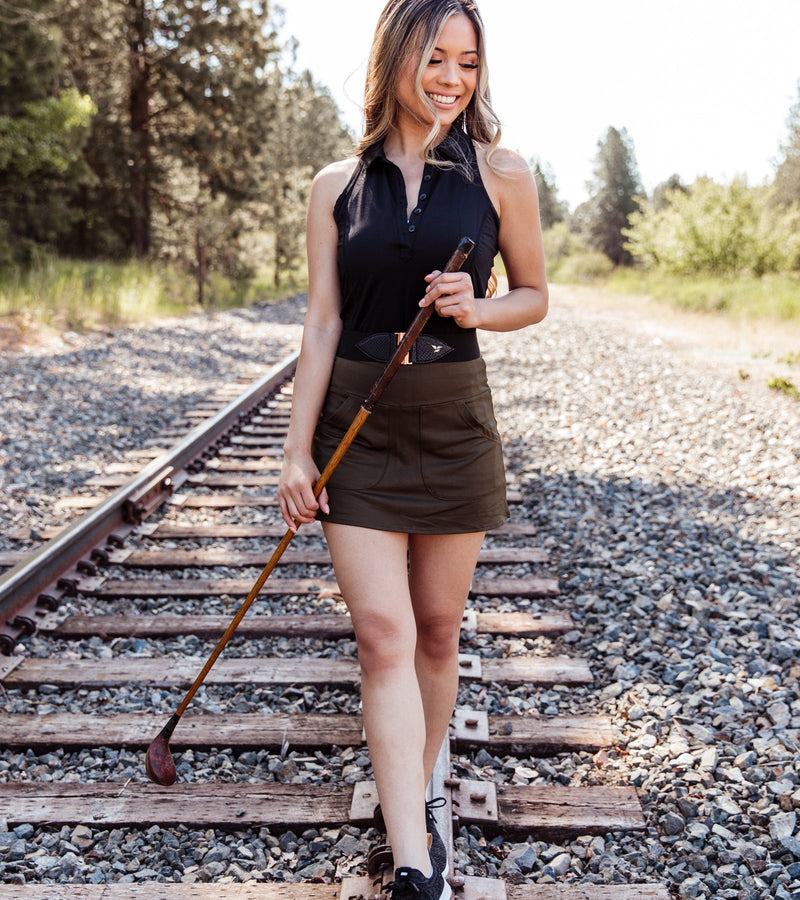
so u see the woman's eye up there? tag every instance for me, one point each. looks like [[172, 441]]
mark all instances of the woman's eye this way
[[438, 62]]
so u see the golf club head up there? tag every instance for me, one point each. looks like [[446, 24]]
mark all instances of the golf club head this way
[[159, 764]]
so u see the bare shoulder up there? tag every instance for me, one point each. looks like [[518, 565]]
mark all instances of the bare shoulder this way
[[332, 180], [505, 174], [504, 161]]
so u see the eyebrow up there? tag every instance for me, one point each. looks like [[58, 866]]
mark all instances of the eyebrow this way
[[463, 52]]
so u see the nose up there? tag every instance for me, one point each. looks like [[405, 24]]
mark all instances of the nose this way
[[449, 72]]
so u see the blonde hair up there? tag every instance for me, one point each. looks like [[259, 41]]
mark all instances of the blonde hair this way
[[409, 29]]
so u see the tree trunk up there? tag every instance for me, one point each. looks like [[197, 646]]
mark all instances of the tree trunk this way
[[201, 257], [140, 129]]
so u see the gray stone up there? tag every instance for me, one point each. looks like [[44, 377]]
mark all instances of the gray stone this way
[[318, 868], [524, 856], [691, 887], [782, 825], [560, 864], [792, 844], [779, 714], [46, 866], [673, 824]]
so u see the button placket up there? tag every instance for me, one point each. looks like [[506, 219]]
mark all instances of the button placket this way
[[418, 209]]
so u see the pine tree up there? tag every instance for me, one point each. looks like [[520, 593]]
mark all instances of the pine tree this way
[[663, 191], [787, 175], [179, 86], [612, 196], [551, 209], [42, 132], [306, 134], [201, 122]]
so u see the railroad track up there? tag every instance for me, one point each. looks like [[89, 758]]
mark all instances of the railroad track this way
[[136, 571]]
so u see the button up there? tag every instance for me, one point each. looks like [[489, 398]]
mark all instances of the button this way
[[426, 177], [417, 211], [412, 229], [423, 197]]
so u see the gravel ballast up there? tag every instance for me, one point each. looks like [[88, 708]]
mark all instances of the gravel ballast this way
[[666, 488], [71, 405]]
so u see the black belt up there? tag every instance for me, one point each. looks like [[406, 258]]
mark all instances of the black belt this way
[[428, 348]]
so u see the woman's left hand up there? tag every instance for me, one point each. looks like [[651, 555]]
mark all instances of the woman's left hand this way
[[453, 297]]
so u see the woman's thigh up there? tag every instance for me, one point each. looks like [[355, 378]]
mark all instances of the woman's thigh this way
[[371, 569], [441, 570]]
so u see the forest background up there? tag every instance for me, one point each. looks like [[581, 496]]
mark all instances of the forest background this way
[[156, 156]]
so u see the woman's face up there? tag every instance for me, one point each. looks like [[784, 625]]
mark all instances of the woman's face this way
[[449, 78]]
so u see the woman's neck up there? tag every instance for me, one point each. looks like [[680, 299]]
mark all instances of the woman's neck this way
[[406, 140]]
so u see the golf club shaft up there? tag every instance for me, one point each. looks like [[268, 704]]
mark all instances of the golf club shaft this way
[[453, 265]]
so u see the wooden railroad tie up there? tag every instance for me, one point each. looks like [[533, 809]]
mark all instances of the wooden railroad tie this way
[[181, 559], [209, 501], [179, 672], [554, 812], [320, 625], [174, 532], [470, 729], [532, 586], [473, 889]]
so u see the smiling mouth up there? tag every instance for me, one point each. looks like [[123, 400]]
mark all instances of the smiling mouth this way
[[443, 100]]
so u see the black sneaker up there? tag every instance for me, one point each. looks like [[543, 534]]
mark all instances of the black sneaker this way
[[438, 851], [436, 847], [411, 884]]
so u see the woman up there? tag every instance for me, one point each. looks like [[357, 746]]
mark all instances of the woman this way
[[405, 512]]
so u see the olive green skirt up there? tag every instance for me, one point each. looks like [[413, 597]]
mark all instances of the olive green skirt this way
[[428, 460]]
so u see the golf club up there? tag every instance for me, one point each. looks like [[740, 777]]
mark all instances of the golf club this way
[[159, 763]]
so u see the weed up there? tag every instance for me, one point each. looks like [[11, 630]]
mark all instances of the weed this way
[[786, 385]]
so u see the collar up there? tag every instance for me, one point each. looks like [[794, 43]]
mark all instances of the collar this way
[[456, 148]]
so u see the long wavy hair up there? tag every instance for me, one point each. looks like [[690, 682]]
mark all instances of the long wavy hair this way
[[408, 30]]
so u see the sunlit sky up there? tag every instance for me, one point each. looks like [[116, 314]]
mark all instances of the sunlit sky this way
[[703, 87]]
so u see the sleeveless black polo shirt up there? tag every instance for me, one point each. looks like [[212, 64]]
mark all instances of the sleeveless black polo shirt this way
[[384, 254]]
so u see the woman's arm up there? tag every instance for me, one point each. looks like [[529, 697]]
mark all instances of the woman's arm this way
[[320, 338], [512, 189]]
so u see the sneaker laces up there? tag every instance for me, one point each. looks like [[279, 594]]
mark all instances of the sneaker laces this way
[[436, 803], [402, 889]]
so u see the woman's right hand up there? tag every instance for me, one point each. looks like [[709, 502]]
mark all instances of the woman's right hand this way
[[296, 490]]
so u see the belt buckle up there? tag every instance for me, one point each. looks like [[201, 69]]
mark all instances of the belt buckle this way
[[406, 360]]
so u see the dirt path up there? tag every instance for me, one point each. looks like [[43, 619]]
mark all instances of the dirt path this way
[[726, 345]]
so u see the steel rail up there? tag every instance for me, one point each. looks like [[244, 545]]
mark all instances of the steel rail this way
[[22, 585]]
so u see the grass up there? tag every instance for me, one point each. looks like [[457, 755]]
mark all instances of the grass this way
[[80, 296], [775, 296]]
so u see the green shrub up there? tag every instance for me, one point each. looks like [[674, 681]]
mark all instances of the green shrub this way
[[584, 268], [568, 259], [775, 296], [722, 230]]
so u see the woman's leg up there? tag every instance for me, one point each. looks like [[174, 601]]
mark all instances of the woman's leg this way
[[442, 567], [372, 571]]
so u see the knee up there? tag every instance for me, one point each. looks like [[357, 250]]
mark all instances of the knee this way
[[384, 644], [437, 638]]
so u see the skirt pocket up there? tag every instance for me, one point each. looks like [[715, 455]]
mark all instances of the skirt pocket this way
[[363, 464], [462, 453]]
